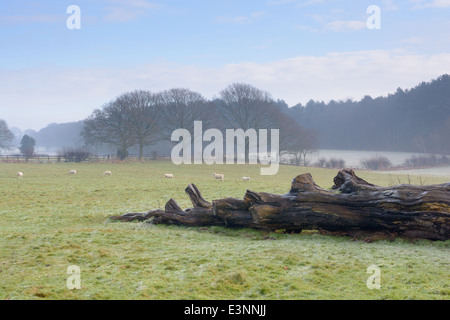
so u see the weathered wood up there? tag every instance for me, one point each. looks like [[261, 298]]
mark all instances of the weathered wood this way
[[196, 197], [354, 207]]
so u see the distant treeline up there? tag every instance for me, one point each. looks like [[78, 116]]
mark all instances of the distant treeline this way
[[411, 120], [415, 120]]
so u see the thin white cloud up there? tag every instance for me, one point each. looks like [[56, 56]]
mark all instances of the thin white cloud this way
[[389, 5], [32, 98], [440, 4], [333, 26], [37, 18], [346, 25], [299, 3], [138, 4], [335, 20], [426, 4], [306, 28], [124, 11], [309, 3], [413, 41], [244, 19]]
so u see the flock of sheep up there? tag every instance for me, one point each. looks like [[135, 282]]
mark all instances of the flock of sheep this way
[[217, 176], [106, 173], [221, 176]]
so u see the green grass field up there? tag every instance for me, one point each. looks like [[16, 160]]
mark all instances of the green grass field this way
[[50, 220]]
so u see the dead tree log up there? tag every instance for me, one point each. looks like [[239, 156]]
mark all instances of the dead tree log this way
[[354, 207]]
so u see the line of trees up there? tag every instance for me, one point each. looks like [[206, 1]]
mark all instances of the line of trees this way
[[410, 120], [414, 120], [142, 118]]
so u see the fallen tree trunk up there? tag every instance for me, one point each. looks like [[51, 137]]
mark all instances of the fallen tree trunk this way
[[354, 207]]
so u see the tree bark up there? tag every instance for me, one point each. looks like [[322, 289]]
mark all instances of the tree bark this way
[[353, 207]]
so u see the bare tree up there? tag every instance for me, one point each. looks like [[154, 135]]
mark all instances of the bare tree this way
[[6, 135], [244, 106], [111, 125], [132, 118], [297, 141], [145, 115], [181, 107]]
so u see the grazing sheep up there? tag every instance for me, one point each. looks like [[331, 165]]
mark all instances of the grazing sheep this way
[[73, 172], [168, 175], [20, 174], [218, 176], [107, 173], [245, 178]]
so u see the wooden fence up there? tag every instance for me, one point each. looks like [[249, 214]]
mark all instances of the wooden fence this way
[[43, 158]]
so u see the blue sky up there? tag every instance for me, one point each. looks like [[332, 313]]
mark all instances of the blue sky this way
[[295, 49]]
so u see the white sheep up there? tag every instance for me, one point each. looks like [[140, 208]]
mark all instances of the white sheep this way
[[107, 173], [20, 174], [218, 176], [73, 172], [245, 178], [168, 175]]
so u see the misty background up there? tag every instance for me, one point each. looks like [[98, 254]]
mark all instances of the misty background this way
[[414, 120]]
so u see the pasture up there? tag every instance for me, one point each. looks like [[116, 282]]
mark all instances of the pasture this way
[[50, 220]]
